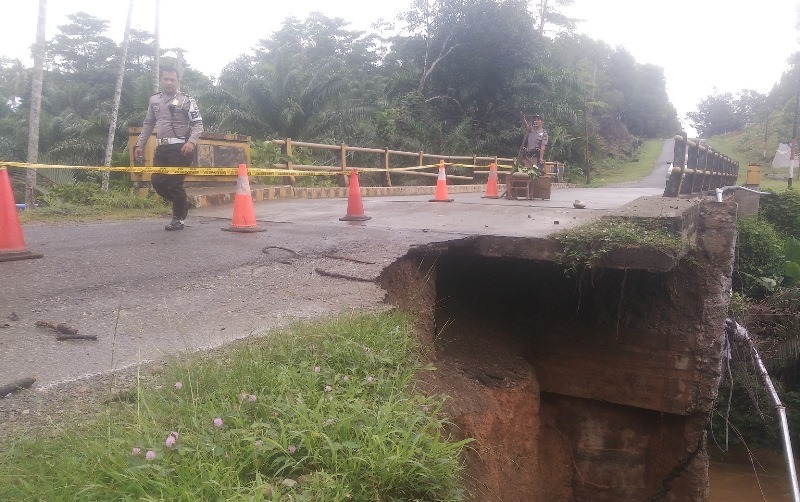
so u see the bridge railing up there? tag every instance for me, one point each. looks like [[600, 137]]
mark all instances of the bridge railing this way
[[414, 165], [696, 168]]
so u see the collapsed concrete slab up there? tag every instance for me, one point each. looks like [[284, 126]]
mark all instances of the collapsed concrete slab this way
[[596, 386]]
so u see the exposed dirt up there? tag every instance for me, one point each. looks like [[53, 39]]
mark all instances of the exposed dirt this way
[[574, 390]]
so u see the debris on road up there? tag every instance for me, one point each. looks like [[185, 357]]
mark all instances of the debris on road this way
[[341, 276], [75, 337], [16, 386], [60, 327]]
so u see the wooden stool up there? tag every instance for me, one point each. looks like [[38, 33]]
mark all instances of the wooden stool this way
[[518, 185]]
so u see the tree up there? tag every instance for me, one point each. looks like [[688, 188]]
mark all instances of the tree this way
[[750, 106], [547, 13], [117, 95], [141, 56], [298, 83], [716, 115], [36, 106], [645, 108], [80, 46]]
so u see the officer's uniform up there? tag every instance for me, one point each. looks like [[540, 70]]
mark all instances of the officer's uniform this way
[[176, 120], [537, 138]]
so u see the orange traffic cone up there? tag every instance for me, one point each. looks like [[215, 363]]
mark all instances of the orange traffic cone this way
[[355, 209], [491, 184], [441, 186], [12, 243], [244, 218]]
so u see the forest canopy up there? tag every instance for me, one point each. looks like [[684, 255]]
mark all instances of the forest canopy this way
[[452, 78]]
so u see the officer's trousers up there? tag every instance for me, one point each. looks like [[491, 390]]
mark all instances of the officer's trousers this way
[[170, 186]]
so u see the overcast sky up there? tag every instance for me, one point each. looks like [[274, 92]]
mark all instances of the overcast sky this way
[[704, 46]]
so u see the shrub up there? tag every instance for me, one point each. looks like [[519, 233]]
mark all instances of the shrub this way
[[782, 209], [91, 194], [759, 257]]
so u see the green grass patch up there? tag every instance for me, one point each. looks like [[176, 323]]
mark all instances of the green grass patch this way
[[87, 201], [588, 244], [66, 212], [321, 411], [747, 147], [612, 171]]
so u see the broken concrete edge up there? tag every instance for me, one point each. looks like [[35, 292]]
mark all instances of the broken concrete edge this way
[[681, 218], [289, 192]]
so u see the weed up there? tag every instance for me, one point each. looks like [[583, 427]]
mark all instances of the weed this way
[[587, 245], [324, 411]]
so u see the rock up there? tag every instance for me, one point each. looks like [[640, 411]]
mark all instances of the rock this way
[[578, 204]]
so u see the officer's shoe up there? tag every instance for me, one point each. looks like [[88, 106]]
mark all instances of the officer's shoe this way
[[176, 224]]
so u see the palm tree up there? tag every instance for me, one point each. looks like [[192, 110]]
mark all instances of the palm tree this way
[[157, 46], [36, 105], [117, 95]]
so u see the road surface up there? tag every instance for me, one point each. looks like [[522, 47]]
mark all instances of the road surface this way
[[146, 293]]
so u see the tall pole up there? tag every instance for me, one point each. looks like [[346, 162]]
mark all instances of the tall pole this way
[[39, 53], [112, 126], [766, 134], [157, 44], [794, 135]]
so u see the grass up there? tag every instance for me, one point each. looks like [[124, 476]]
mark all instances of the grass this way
[[588, 244], [614, 171], [323, 411], [87, 202], [747, 147], [66, 212]]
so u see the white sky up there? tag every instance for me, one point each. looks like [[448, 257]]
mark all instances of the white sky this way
[[704, 46]]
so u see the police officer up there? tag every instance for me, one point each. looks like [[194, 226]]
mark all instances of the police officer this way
[[178, 125], [536, 139]]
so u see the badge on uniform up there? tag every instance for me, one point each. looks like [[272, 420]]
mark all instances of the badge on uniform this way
[[194, 112]]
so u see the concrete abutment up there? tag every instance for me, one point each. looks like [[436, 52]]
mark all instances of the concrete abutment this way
[[592, 388]]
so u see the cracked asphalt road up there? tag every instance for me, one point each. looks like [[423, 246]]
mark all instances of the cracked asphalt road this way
[[146, 293]]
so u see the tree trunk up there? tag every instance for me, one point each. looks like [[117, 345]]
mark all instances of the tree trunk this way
[[156, 82], [112, 126], [543, 11], [36, 106]]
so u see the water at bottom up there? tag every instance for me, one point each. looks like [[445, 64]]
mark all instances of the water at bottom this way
[[734, 478]]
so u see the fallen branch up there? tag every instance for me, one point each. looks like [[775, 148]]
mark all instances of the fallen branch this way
[[60, 327], [341, 276], [16, 386], [76, 337]]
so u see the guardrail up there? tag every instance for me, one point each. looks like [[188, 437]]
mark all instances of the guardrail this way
[[423, 161], [478, 164], [697, 168]]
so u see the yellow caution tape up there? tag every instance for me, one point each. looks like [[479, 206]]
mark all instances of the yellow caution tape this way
[[230, 171], [195, 171]]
